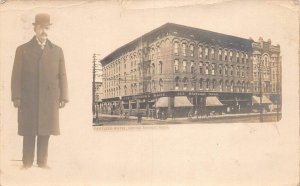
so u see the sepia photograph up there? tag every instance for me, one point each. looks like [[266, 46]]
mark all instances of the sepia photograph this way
[[149, 92], [175, 71]]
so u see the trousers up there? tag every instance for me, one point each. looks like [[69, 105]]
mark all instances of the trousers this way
[[29, 150]]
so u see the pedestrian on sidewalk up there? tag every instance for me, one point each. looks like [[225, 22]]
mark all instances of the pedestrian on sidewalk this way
[[139, 117]]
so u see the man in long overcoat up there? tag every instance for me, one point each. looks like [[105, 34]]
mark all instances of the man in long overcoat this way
[[39, 89]]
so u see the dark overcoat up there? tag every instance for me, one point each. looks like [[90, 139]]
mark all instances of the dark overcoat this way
[[39, 81]]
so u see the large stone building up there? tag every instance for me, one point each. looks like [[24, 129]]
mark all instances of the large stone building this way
[[267, 70], [178, 67]]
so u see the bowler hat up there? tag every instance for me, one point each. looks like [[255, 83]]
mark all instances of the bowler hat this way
[[42, 19]]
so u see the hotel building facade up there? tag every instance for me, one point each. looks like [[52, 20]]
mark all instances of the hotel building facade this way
[[177, 69]]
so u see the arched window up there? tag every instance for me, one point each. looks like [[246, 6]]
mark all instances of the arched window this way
[[153, 86], [200, 52], [242, 72], [248, 86], [161, 85], [185, 83], [153, 68], [201, 68], [201, 84], [152, 54], [226, 70], [160, 67], [176, 48], [242, 57], [238, 86], [220, 69], [176, 65], [177, 80], [192, 67], [192, 50], [158, 51], [225, 55], [231, 86], [237, 56], [212, 52], [184, 49], [231, 70], [243, 86], [230, 56], [206, 53], [207, 68], [226, 85], [221, 85], [214, 84], [220, 54], [184, 64], [213, 69], [237, 71], [207, 84]]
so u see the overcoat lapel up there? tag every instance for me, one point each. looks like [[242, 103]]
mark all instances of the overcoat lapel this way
[[35, 51], [46, 53]]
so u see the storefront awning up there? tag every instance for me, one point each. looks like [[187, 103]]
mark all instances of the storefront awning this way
[[265, 100], [182, 101], [213, 101], [162, 102]]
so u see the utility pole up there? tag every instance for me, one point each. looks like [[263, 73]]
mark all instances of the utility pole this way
[[94, 89], [93, 84]]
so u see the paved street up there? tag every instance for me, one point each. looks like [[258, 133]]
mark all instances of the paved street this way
[[230, 118]]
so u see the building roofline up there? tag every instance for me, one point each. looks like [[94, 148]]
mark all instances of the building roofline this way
[[187, 29]]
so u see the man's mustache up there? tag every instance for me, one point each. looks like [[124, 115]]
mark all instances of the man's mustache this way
[[43, 34]]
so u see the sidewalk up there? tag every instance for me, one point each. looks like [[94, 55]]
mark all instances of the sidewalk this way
[[223, 116]]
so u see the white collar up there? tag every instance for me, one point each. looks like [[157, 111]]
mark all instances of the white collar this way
[[41, 44]]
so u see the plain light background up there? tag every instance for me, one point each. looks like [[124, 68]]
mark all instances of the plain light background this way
[[195, 154]]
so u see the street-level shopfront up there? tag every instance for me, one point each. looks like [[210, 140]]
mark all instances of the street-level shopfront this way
[[178, 104]]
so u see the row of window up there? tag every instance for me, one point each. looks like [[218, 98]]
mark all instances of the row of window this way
[[210, 53], [134, 89], [185, 84], [208, 68], [207, 84], [265, 88]]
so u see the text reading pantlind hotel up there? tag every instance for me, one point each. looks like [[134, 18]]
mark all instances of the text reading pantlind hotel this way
[[125, 128], [175, 70]]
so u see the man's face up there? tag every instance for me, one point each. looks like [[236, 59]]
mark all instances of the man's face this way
[[41, 32]]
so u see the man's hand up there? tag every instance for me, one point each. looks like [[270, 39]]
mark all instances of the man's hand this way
[[62, 104], [17, 103]]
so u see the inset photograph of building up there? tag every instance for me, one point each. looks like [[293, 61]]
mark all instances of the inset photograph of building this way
[[179, 73]]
